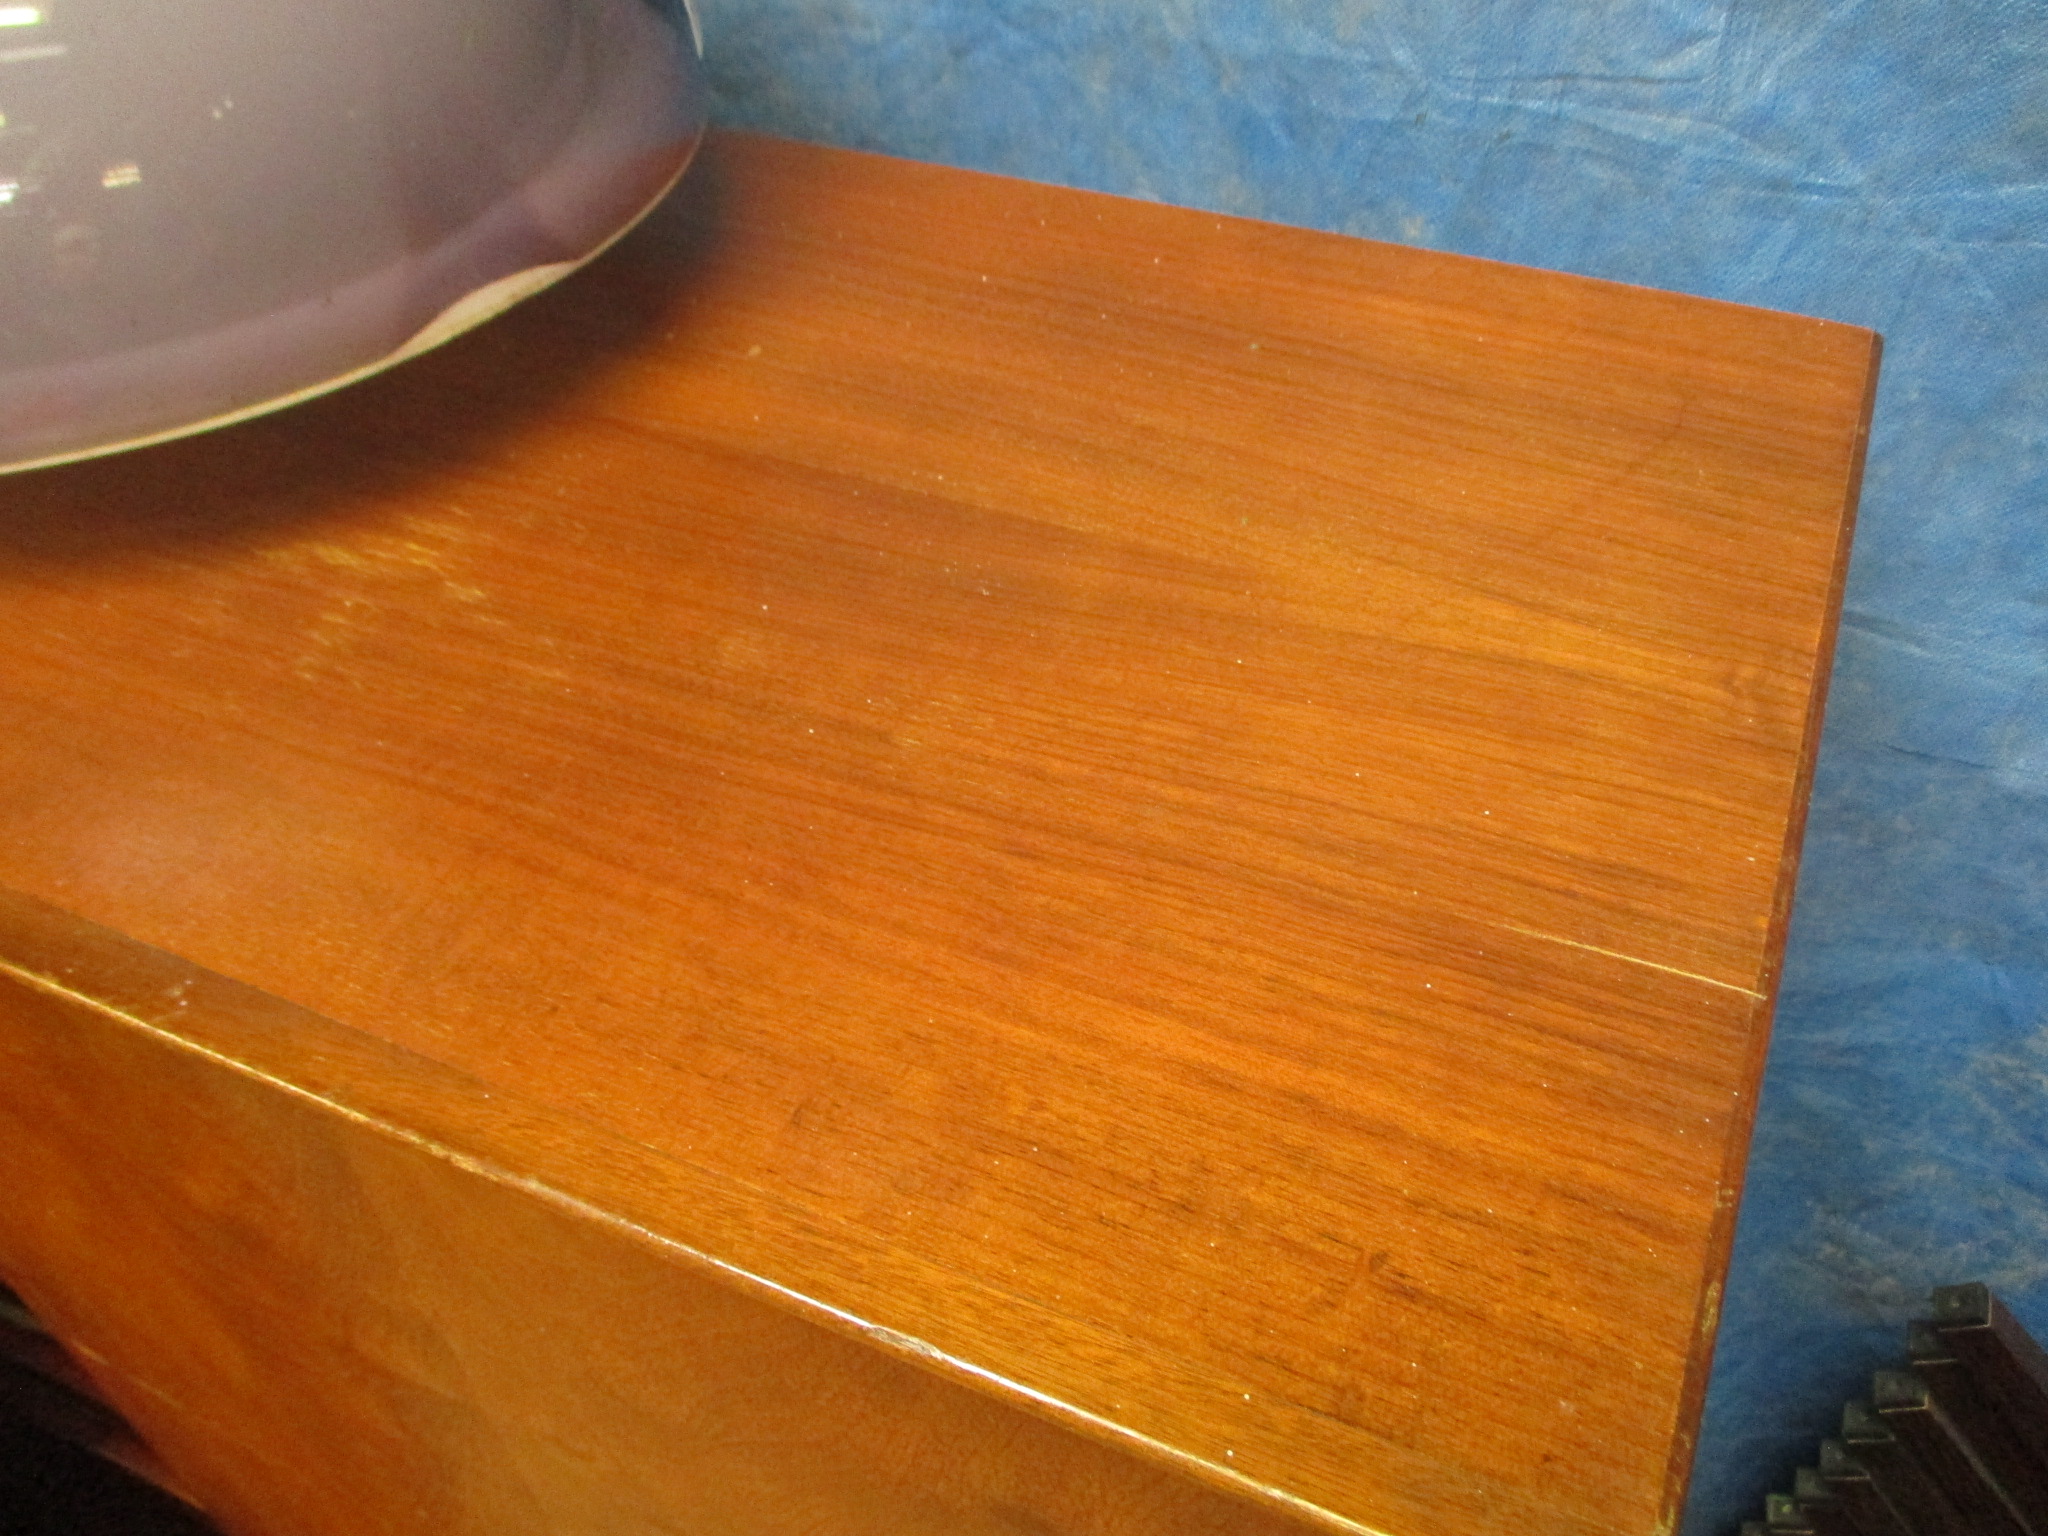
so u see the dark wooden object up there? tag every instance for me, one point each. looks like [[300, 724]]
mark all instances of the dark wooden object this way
[[1992, 1435], [1850, 1481], [50, 1486], [1785, 1516], [1825, 1511], [2008, 1366], [929, 855], [1902, 1400], [42, 1387], [1907, 1485], [1944, 1448]]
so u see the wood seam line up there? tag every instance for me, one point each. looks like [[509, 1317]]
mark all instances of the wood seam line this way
[[1615, 954], [889, 1340]]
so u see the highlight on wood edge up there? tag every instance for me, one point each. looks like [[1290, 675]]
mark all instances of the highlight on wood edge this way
[[1954, 1443], [43, 1387]]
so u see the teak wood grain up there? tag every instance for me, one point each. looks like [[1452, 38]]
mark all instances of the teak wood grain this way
[[1151, 843], [334, 1330]]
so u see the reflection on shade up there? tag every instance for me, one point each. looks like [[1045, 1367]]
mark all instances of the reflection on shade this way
[[329, 188]]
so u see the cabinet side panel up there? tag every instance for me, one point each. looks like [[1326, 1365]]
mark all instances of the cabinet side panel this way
[[330, 1331]]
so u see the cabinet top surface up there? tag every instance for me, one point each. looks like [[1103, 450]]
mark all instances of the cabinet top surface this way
[[1195, 815]]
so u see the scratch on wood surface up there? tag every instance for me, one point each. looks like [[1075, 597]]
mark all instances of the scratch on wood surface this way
[[1615, 954]]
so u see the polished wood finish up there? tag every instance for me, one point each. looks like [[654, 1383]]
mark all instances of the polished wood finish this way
[[1143, 851], [339, 1311]]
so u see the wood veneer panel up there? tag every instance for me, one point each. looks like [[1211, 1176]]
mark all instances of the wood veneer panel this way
[[341, 1323], [1196, 816]]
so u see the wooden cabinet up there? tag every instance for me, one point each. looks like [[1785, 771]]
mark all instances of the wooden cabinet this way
[[929, 855]]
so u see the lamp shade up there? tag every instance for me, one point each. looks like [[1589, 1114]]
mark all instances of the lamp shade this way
[[213, 208]]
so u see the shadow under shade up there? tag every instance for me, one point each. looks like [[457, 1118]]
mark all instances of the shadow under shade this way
[[337, 458]]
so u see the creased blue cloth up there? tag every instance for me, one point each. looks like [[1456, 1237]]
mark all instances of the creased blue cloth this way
[[1877, 161]]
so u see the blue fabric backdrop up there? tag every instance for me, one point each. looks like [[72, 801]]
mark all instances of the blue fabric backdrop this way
[[1877, 161]]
